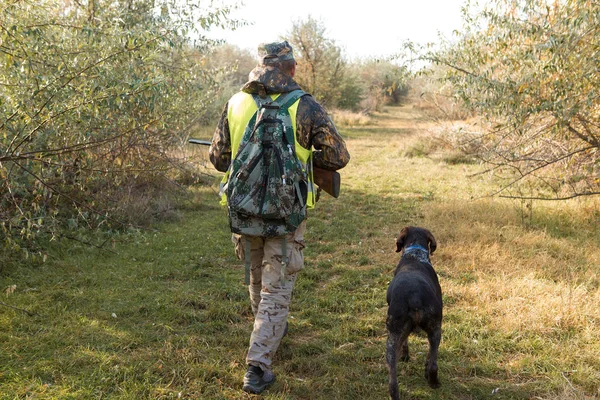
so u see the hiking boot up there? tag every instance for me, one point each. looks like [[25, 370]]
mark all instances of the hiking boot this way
[[256, 380]]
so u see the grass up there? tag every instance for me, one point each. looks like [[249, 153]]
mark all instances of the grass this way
[[164, 314], [343, 118]]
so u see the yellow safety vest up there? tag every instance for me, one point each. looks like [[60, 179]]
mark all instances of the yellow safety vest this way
[[241, 108]]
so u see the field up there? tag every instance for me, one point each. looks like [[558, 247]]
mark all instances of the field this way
[[164, 314]]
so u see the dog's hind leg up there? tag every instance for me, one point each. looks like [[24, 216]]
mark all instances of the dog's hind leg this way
[[431, 368], [394, 343], [404, 356], [391, 358]]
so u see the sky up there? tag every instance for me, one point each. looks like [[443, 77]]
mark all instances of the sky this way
[[362, 28]]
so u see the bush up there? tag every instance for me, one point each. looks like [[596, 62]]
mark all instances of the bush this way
[[94, 97], [436, 98], [530, 69]]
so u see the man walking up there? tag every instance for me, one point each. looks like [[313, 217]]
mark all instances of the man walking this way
[[273, 253]]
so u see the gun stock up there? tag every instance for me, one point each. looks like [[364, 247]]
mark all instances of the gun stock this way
[[327, 180]]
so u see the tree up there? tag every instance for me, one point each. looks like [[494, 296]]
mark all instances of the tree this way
[[321, 69], [383, 83], [94, 97], [530, 68], [232, 66]]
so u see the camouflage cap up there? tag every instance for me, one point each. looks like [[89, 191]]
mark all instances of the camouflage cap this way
[[277, 51]]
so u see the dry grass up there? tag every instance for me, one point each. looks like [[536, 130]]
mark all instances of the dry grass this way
[[551, 282], [344, 118], [526, 276]]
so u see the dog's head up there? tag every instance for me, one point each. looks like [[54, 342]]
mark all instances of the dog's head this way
[[412, 235]]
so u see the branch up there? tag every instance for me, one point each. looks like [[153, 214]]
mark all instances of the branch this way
[[74, 107], [79, 73], [31, 314], [585, 123], [550, 199], [8, 119], [16, 40], [101, 247], [74, 148], [44, 183], [55, 24], [583, 137], [524, 174], [104, 171], [464, 71]]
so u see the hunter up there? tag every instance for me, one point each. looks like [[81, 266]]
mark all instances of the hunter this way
[[273, 261]]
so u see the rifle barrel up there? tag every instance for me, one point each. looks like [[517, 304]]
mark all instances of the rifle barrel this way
[[198, 141]]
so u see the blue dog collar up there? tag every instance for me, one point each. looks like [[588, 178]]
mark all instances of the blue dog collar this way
[[418, 253], [416, 246]]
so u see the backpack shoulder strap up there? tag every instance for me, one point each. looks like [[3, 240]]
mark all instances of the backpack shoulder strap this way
[[284, 101], [289, 98], [260, 101]]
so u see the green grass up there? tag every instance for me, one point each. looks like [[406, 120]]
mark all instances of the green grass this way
[[164, 314]]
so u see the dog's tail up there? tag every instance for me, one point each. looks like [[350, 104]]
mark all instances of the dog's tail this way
[[415, 310], [407, 313]]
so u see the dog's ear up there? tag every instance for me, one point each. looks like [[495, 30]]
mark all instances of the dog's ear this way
[[431, 241], [401, 239]]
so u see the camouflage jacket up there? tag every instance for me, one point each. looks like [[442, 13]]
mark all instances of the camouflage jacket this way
[[313, 125]]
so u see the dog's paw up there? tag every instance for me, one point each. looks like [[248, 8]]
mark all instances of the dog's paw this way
[[432, 378], [435, 385], [433, 381]]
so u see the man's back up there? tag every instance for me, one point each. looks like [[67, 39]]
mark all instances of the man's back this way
[[314, 128], [272, 262]]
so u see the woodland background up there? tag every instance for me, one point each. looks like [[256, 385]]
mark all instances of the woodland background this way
[[117, 277], [98, 99]]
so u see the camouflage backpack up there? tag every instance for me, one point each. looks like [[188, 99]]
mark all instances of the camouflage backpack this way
[[267, 187]]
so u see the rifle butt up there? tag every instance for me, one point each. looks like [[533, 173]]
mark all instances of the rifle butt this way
[[327, 180]]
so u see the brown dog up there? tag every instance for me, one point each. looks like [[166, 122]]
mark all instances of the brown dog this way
[[414, 302]]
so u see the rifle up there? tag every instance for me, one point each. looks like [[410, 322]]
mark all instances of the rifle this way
[[325, 179]]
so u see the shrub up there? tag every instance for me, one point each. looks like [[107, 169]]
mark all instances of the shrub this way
[[93, 97]]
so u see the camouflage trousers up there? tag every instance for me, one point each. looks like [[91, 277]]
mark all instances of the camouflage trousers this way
[[270, 295]]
